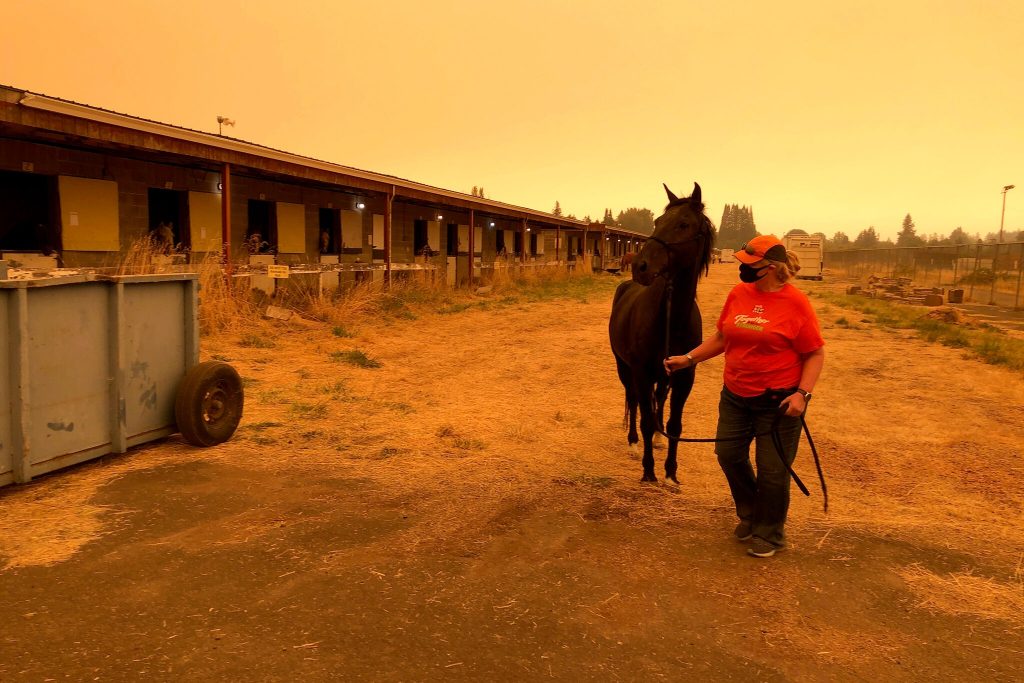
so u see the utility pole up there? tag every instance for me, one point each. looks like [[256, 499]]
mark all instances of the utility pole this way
[[1003, 215]]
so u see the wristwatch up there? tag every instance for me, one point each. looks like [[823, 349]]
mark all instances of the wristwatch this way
[[806, 394]]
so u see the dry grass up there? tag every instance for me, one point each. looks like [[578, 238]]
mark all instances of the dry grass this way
[[966, 594]]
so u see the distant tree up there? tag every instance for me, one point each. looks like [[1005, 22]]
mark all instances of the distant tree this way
[[840, 240], [637, 220], [737, 227], [480, 193], [726, 229], [796, 232], [474, 191], [608, 219], [908, 234], [572, 217], [866, 239], [587, 219], [557, 211]]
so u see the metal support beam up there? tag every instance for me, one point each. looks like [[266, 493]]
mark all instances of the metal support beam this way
[[472, 247], [225, 219], [387, 236], [522, 255]]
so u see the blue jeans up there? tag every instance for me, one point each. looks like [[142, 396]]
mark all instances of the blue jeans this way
[[762, 500]]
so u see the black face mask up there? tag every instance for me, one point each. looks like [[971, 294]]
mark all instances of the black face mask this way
[[750, 274]]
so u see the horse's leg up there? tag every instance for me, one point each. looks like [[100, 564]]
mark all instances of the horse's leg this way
[[660, 393], [627, 382], [647, 426], [682, 384]]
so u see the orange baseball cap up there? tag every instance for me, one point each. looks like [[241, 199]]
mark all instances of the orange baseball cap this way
[[761, 247]]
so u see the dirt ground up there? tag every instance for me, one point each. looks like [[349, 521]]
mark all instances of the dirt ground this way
[[470, 511]]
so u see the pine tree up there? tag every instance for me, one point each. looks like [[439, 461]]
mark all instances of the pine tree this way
[[557, 211], [726, 232], [746, 230], [908, 235], [473, 193], [608, 218]]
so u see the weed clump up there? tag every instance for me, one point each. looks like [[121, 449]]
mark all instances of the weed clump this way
[[355, 357]]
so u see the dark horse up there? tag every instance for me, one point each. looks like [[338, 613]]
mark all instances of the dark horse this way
[[669, 265]]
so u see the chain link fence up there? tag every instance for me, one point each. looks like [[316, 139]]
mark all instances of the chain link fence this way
[[988, 273]]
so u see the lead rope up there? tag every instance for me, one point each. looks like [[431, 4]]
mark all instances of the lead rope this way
[[774, 431]]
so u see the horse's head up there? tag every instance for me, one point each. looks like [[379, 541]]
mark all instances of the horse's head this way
[[682, 238]]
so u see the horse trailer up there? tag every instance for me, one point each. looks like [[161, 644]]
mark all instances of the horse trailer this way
[[810, 250]]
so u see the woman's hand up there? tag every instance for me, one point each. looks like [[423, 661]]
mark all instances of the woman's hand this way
[[673, 363], [795, 404]]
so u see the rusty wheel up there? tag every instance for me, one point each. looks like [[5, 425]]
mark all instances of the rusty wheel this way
[[209, 403]]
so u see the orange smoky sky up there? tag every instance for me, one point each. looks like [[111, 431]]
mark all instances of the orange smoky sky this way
[[821, 116]]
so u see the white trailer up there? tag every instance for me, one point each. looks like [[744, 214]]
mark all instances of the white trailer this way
[[725, 256], [810, 250]]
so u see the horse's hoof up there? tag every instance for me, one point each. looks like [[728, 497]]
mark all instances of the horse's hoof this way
[[649, 478], [671, 479], [632, 449]]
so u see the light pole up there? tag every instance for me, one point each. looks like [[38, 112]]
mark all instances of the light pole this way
[[1006, 189]]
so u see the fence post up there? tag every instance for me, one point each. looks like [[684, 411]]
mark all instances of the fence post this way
[[956, 264], [974, 275], [995, 260], [1020, 271]]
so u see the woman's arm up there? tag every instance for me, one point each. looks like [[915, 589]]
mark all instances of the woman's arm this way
[[795, 403], [712, 346]]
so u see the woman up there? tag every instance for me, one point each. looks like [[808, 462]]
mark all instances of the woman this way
[[773, 357]]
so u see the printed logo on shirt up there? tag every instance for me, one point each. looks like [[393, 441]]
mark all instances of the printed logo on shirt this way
[[758, 309], [750, 322]]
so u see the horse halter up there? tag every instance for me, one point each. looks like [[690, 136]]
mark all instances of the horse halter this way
[[670, 250]]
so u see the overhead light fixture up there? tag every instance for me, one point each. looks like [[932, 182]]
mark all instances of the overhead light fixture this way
[[492, 224], [440, 217], [360, 206], [527, 230]]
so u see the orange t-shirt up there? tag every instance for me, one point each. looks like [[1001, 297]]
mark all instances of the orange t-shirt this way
[[765, 334]]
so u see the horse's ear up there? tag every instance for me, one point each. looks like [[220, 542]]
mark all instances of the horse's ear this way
[[671, 197], [695, 197]]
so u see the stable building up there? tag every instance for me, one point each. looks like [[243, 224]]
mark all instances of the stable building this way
[[79, 185]]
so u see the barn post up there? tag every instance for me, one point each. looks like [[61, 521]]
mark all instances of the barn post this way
[[225, 220], [387, 236], [472, 247], [586, 257], [558, 243], [522, 253]]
